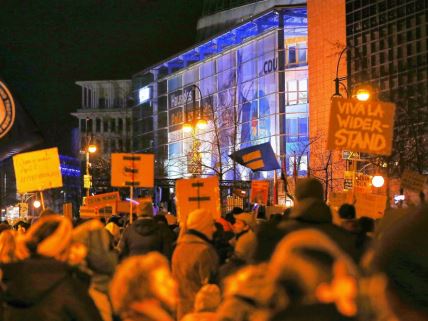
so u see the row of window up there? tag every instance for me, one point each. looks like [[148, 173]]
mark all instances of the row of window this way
[[112, 125]]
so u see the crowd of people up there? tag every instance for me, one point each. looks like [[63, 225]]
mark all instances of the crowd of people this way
[[297, 265]]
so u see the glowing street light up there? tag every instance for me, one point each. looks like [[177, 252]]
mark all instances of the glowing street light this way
[[37, 204], [378, 181], [92, 149]]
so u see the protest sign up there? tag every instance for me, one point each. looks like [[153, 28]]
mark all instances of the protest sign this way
[[37, 171], [259, 192], [198, 193], [101, 200], [132, 170], [371, 205], [358, 126], [413, 181]]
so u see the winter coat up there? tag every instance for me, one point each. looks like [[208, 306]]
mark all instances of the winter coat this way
[[146, 235], [101, 259], [314, 213], [200, 316], [41, 289], [310, 312], [194, 264]]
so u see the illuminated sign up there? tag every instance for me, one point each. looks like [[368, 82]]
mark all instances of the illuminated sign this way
[[365, 127], [144, 94], [7, 110]]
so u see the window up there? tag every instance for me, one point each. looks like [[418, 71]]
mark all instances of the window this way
[[98, 125]]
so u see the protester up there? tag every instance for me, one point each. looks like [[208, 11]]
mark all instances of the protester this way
[[316, 278], [143, 289], [246, 295], [43, 286], [114, 231], [310, 211], [7, 247], [245, 238], [146, 235], [348, 218], [195, 261], [206, 302], [100, 262], [398, 284]]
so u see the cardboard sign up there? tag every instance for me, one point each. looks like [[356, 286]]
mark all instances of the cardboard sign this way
[[37, 171], [337, 199], [371, 205], [101, 200], [365, 127], [197, 193], [92, 212], [413, 181], [132, 170], [259, 192]]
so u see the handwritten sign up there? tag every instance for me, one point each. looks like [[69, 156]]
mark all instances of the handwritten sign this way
[[361, 126], [37, 171], [413, 180], [259, 192], [100, 200], [132, 170], [198, 193], [371, 205]]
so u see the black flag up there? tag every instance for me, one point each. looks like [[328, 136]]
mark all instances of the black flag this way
[[18, 131]]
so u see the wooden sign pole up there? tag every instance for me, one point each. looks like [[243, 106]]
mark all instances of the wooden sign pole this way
[[131, 197], [42, 200]]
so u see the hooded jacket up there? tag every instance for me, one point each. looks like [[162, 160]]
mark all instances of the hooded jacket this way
[[194, 264], [315, 213], [41, 288], [146, 235]]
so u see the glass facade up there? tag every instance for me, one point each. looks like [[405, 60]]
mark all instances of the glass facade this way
[[237, 76]]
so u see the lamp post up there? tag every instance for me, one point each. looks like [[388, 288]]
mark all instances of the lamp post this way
[[192, 125], [362, 92], [90, 149]]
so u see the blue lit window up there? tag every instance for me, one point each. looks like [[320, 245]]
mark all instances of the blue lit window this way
[[174, 83]]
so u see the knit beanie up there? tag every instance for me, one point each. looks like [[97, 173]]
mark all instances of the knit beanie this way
[[50, 236], [309, 188], [202, 221], [146, 208], [401, 254], [208, 298]]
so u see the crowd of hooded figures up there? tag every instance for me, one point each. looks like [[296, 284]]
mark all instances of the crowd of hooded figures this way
[[297, 265]]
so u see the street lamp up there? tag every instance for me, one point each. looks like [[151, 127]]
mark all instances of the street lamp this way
[[198, 121], [191, 126], [378, 181], [90, 149]]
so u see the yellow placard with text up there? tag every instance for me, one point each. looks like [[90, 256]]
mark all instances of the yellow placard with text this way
[[371, 205], [132, 170], [413, 180], [100, 200], [197, 193], [357, 126], [37, 171], [259, 192]]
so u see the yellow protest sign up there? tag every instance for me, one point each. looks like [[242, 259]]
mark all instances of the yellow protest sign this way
[[259, 192], [37, 171], [132, 170], [413, 180], [361, 126], [101, 200], [371, 205], [197, 193]]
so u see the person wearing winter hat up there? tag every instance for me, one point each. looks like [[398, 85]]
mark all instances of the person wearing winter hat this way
[[100, 262], [314, 276], [143, 289], [245, 238], [43, 286], [398, 283], [146, 235], [310, 211], [195, 261], [206, 302]]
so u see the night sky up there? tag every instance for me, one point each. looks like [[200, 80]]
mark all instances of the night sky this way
[[46, 46]]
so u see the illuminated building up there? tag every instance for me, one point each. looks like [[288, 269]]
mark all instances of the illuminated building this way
[[253, 77]]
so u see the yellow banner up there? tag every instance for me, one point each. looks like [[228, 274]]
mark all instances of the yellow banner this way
[[37, 171], [361, 126], [259, 192]]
